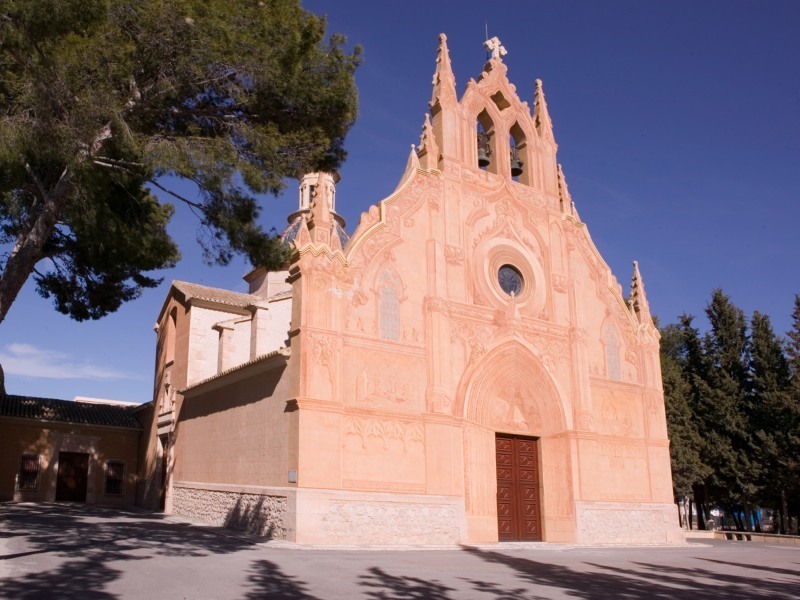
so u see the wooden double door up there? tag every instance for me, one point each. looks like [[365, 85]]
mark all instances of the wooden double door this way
[[73, 475], [518, 508]]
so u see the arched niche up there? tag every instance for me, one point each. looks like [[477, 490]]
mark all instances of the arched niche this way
[[511, 376], [169, 335]]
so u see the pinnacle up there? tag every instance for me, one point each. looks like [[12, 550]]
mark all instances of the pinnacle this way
[[444, 82], [638, 298], [541, 116]]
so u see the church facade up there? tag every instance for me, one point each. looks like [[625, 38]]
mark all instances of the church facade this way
[[463, 369]]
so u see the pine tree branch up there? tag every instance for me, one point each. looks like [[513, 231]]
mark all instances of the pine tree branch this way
[[113, 162], [190, 203], [126, 166], [38, 182]]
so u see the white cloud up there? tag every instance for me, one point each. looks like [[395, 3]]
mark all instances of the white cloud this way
[[26, 360]]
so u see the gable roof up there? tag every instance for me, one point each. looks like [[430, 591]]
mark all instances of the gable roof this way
[[212, 294], [68, 411]]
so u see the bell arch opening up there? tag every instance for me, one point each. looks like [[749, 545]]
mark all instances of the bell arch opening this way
[[520, 169], [486, 142]]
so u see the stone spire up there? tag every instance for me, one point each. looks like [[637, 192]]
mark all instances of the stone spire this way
[[638, 299], [444, 82], [428, 149], [320, 222], [540, 115]]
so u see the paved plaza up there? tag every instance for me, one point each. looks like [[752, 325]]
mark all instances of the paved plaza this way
[[72, 551]]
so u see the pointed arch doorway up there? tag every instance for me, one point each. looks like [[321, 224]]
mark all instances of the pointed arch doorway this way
[[514, 419]]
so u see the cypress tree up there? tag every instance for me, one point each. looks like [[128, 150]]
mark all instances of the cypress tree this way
[[736, 465], [791, 506], [688, 468], [771, 415]]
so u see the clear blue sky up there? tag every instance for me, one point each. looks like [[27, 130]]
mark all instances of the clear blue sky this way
[[678, 124]]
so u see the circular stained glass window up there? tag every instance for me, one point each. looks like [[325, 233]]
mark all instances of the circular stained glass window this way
[[510, 280]]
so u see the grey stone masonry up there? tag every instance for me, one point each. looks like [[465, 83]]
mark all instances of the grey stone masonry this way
[[258, 514]]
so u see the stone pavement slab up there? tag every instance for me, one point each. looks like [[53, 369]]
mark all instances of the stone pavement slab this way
[[57, 551]]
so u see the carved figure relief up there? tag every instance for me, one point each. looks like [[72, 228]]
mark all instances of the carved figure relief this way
[[560, 283], [324, 348], [454, 255], [617, 419], [382, 379], [514, 410]]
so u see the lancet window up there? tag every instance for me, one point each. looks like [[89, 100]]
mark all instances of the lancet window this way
[[611, 344], [390, 313], [169, 336]]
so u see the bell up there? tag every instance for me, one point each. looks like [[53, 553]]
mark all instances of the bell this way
[[483, 158], [516, 163], [483, 150]]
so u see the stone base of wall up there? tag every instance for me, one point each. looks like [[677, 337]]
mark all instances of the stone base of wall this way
[[627, 523], [260, 511], [345, 517]]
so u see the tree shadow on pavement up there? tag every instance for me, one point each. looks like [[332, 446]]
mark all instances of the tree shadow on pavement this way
[[651, 582], [270, 582], [794, 573], [91, 537], [74, 580], [390, 587], [500, 593]]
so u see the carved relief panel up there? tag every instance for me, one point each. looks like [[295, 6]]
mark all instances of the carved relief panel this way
[[322, 354], [514, 410], [379, 379], [623, 471], [618, 412], [383, 454]]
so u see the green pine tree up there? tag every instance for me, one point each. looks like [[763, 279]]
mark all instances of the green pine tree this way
[[105, 100], [686, 443], [791, 501], [771, 415], [727, 347]]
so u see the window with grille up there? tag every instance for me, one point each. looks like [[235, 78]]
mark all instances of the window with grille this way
[[390, 314], [29, 470], [115, 478], [612, 353]]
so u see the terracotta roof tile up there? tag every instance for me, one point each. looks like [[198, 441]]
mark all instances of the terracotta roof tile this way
[[212, 294], [68, 411]]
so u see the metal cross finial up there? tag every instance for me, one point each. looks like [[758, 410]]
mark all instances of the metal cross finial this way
[[495, 47]]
